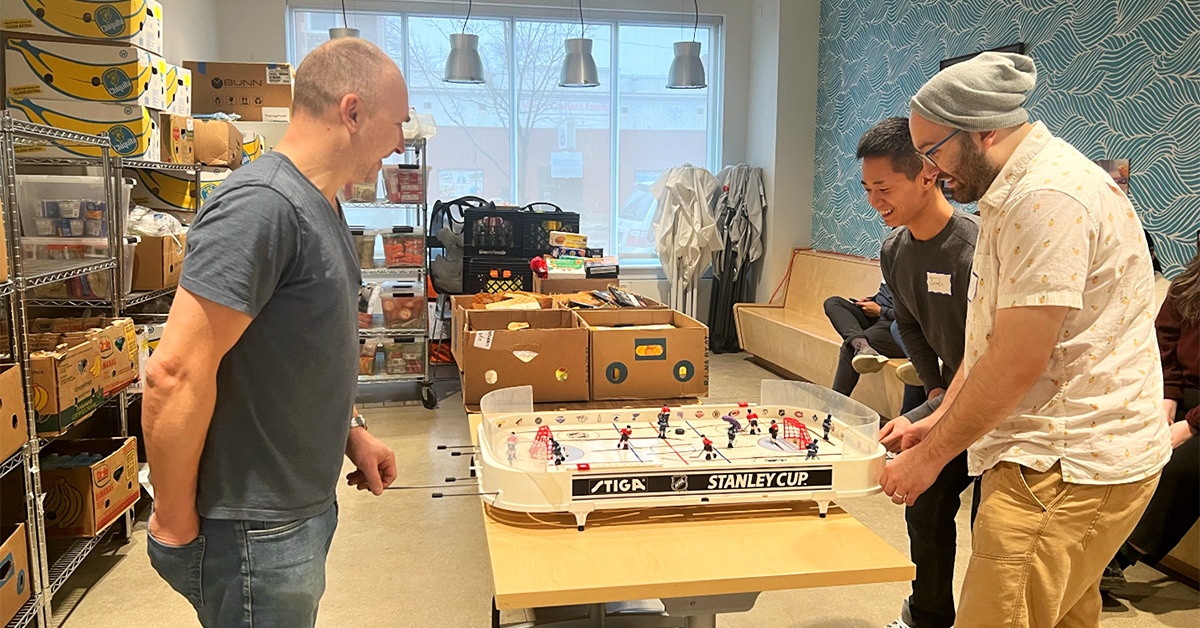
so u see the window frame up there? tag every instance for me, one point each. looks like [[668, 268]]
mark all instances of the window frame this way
[[614, 19]]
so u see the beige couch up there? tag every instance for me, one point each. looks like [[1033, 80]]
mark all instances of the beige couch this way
[[794, 336]]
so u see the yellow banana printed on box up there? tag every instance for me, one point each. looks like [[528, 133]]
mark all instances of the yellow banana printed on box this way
[[132, 129], [173, 191], [77, 71], [177, 89], [252, 147], [138, 22], [63, 504]]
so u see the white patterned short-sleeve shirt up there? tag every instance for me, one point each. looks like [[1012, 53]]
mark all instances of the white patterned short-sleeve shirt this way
[[1056, 230]]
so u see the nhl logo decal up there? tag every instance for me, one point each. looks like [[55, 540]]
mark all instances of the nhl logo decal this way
[[679, 483], [735, 412], [782, 412], [538, 420], [699, 414], [560, 420]]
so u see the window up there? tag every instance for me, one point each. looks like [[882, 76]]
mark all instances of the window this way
[[519, 138]]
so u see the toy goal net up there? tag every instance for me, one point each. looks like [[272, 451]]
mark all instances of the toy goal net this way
[[794, 432], [540, 449]]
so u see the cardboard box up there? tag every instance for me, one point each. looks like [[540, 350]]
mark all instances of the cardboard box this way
[[14, 571], [647, 364], [3, 248], [66, 386], [551, 356], [258, 92], [157, 262], [459, 306], [136, 22], [14, 423], [177, 89], [55, 70], [218, 143], [172, 191], [133, 129], [253, 147], [148, 338], [571, 286], [118, 346], [178, 139], [83, 501]]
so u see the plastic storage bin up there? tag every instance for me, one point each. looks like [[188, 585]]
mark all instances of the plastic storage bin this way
[[404, 247], [403, 310], [492, 231], [66, 206], [404, 183], [404, 357], [538, 220], [496, 274]]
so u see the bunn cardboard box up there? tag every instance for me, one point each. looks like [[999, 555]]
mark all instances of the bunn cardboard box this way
[[132, 129], [157, 262], [81, 501], [551, 355], [218, 143], [66, 386], [14, 570], [178, 139], [116, 340], [55, 70], [646, 359], [14, 423], [137, 22], [177, 89], [258, 92]]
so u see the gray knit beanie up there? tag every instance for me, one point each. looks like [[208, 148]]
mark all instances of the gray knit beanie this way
[[984, 93]]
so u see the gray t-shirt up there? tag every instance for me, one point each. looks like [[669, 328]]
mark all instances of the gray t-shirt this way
[[268, 244], [929, 281]]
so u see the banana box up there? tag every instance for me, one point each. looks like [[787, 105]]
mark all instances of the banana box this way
[[178, 139], [132, 129], [66, 384], [173, 191], [89, 483], [54, 70], [117, 343], [253, 146], [177, 89], [15, 579], [14, 425], [136, 22], [646, 354]]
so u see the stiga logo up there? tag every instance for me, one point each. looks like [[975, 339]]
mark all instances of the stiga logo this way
[[124, 141], [117, 83], [618, 486], [110, 21]]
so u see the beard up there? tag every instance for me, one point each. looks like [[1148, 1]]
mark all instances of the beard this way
[[974, 174]]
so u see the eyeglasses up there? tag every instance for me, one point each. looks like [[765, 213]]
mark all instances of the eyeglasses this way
[[927, 156]]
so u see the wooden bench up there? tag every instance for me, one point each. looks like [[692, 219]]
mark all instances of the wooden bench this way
[[794, 336]]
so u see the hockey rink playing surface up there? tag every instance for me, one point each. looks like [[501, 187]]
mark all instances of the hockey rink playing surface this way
[[596, 443]]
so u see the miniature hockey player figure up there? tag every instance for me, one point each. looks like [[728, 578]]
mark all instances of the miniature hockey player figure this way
[[512, 447], [828, 425], [753, 423], [557, 450], [812, 450], [773, 430], [709, 452], [732, 433], [664, 422], [625, 434]]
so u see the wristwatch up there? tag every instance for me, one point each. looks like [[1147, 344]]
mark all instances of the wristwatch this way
[[358, 421]]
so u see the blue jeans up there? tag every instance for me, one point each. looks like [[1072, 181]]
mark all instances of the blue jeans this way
[[264, 574]]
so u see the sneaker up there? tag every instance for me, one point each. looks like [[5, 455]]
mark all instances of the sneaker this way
[[899, 623], [1113, 578], [867, 360], [907, 373]]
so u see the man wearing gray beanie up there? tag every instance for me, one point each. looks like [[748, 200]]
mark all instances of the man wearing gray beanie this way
[[1058, 401]]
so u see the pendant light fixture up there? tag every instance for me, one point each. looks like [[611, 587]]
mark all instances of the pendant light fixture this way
[[687, 71], [464, 64], [344, 30], [579, 68]]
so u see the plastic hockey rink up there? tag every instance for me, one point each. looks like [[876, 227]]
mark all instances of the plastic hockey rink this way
[[518, 470]]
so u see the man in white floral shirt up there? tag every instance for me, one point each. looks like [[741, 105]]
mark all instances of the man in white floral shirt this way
[[1059, 398]]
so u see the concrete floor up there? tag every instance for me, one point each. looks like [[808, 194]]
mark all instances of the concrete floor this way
[[407, 560]]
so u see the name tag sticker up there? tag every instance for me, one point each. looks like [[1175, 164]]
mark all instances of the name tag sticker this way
[[939, 283], [973, 287]]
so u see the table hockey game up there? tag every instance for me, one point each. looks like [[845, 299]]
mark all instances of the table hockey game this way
[[825, 447]]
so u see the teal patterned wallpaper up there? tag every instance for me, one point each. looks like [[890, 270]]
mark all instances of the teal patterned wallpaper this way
[[1116, 78]]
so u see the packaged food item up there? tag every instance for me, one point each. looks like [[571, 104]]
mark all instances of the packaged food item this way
[[367, 347], [404, 183], [567, 239], [404, 247], [403, 310], [364, 243], [404, 358]]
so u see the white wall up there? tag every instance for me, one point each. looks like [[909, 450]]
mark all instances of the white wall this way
[[782, 125], [188, 30]]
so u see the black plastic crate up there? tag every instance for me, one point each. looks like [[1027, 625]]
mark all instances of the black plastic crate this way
[[496, 274], [538, 220], [492, 231]]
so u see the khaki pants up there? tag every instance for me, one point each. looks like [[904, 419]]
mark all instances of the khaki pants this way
[[1040, 546]]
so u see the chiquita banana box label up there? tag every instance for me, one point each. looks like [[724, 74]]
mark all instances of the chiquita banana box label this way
[[88, 72], [138, 22], [131, 129]]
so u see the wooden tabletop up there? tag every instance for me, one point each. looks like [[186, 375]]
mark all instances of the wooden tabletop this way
[[542, 560]]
